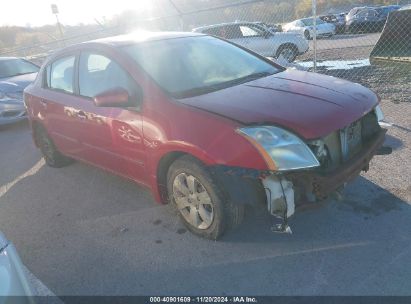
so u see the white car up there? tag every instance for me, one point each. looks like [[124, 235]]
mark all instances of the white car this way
[[259, 39], [306, 27]]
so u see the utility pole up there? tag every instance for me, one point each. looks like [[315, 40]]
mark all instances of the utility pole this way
[[314, 8], [180, 14], [55, 11]]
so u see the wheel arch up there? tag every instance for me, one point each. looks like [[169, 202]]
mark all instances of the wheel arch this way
[[162, 169], [287, 44], [161, 173]]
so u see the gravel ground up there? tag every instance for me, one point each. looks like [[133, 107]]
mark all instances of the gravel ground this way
[[349, 53], [391, 80]]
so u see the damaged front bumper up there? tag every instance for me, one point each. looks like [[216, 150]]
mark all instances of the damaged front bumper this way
[[324, 183], [284, 192]]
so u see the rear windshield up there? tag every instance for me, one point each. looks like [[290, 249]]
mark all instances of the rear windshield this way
[[191, 66]]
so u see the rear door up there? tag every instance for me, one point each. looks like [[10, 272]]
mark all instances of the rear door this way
[[113, 135], [59, 105]]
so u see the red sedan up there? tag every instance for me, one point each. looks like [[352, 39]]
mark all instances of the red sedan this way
[[205, 124]]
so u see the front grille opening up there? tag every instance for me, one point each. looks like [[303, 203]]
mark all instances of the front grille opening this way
[[341, 146]]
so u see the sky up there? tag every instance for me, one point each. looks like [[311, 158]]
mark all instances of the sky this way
[[71, 12]]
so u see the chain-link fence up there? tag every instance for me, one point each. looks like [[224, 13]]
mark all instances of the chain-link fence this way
[[356, 40]]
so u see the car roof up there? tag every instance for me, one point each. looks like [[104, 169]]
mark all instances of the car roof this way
[[123, 40], [206, 27], [141, 36]]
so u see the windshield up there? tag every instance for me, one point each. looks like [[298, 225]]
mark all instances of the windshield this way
[[310, 21], [191, 66], [14, 67]]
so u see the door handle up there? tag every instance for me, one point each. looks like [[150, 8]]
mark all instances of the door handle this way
[[43, 102], [81, 115]]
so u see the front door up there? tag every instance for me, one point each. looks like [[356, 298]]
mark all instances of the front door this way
[[113, 136]]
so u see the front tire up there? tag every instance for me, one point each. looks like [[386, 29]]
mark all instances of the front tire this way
[[51, 155], [288, 52], [200, 202]]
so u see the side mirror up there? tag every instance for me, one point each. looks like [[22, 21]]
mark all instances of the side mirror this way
[[117, 97], [267, 34]]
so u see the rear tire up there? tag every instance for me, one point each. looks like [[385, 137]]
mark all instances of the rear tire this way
[[51, 155], [200, 202]]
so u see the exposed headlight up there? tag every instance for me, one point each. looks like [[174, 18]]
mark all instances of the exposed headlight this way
[[379, 113], [280, 149]]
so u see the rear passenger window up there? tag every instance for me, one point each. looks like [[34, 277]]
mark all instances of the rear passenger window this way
[[60, 75], [97, 74]]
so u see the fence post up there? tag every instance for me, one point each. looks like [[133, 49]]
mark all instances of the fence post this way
[[314, 10]]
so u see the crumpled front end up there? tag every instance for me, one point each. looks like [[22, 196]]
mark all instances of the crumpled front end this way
[[342, 154]]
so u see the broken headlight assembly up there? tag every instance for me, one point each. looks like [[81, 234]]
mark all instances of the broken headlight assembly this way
[[281, 149]]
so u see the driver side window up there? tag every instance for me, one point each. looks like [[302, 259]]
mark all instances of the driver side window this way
[[98, 73]]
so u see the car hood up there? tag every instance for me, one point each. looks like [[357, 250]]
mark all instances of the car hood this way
[[310, 104], [16, 83]]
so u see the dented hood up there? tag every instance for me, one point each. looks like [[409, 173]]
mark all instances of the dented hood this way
[[310, 104]]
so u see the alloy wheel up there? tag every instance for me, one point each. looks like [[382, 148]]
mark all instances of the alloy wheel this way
[[193, 201]]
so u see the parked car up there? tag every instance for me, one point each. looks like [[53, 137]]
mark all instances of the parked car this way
[[368, 19], [15, 75], [337, 19], [259, 39], [274, 28], [306, 27], [208, 126], [14, 286]]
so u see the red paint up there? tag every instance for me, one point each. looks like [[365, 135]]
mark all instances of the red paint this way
[[131, 143]]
